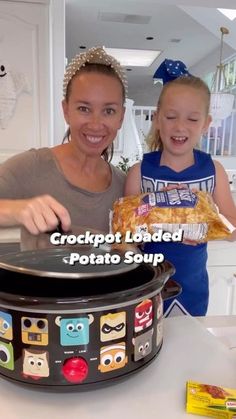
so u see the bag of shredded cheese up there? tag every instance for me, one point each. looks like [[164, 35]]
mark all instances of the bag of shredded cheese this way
[[193, 212]]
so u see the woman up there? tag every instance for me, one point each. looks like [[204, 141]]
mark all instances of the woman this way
[[73, 182]]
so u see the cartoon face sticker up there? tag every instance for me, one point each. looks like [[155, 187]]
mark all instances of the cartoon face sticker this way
[[143, 345], [143, 315], [6, 326], [74, 331], [159, 306], [112, 357], [112, 326], [159, 337], [6, 356], [34, 330], [3, 71], [35, 364]]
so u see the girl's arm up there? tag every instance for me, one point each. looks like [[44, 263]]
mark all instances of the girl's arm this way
[[222, 195], [133, 180]]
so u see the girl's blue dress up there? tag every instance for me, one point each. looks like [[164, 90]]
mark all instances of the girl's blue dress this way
[[189, 261]]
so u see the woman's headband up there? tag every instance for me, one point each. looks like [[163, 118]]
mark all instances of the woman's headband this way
[[96, 55]]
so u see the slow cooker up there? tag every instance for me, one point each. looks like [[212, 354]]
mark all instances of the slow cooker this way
[[75, 327]]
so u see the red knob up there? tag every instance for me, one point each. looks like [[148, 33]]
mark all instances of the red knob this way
[[75, 369]]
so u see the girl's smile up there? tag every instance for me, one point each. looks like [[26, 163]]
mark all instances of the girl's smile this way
[[179, 140]]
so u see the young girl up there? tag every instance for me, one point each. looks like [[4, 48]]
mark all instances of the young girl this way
[[181, 118], [72, 183]]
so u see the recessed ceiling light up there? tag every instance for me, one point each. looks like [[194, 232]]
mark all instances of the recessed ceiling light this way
[[133, 57], [175, 40], [229, 13]]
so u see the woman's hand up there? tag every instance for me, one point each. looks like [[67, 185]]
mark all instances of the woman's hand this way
[[39, 215]]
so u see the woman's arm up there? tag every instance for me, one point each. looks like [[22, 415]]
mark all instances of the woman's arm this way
[[37, 215], [222, 195], [133, 180]]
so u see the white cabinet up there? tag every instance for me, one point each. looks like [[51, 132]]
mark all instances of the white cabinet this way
[[25, 83], [222, 282], [32, 57], [222, 278]]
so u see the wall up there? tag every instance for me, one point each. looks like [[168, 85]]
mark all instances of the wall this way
[[207, 65]]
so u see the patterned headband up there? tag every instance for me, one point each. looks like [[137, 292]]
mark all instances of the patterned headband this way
[[96, 55]]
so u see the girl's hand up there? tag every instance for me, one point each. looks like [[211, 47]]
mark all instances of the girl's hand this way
[[190, 242], [232, 238], [40, 214], [174, 186]]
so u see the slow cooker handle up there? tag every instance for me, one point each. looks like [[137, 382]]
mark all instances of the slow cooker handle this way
[[170, 289]]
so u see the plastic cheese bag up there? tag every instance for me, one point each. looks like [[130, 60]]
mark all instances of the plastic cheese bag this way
[[177, 209]]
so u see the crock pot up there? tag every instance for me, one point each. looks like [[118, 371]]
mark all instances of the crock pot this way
[[65, 327]]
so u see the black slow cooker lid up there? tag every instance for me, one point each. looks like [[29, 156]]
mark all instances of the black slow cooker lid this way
[[55, 262]]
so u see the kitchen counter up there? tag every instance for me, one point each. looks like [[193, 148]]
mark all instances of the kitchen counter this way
[[223, 327], [189, 352], [8, 235]]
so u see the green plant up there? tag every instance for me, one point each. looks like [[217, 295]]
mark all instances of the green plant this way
[[123, 164]]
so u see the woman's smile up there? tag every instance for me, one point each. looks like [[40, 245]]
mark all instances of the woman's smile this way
[[94, 139]]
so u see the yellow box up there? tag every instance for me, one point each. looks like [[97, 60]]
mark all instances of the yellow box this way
[[209, 400]]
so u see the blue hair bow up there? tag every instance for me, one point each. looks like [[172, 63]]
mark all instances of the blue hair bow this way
[[170, 70]]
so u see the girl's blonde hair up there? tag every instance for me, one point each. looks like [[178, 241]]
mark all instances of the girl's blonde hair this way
[[153, 139]]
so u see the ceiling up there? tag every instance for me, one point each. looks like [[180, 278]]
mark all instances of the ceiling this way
[[190, 33]]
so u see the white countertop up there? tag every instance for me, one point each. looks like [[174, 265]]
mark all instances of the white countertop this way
[[8, 235], [223, 327], [189, 352]]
